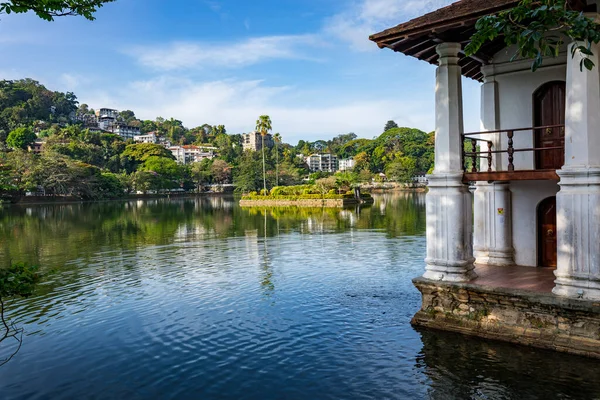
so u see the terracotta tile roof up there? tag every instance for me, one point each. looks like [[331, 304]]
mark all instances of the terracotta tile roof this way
[[457, 11]]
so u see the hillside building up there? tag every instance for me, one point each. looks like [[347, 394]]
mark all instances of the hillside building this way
[[322, 162], [253, 141], [190, 154], [346, 164]]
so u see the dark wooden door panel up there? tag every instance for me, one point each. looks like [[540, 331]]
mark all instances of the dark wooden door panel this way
[[549, 109], [547, 233]]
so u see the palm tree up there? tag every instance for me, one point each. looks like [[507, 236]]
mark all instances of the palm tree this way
[[277, 139], [263, 126]]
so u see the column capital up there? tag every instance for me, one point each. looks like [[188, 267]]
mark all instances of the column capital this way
[[448, 52]]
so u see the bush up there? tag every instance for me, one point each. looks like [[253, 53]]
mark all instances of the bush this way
[[299, 197]]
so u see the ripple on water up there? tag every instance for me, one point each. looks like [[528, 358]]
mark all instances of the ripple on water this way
[[211, 308]]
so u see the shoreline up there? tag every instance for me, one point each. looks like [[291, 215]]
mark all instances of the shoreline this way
[[42, 200]]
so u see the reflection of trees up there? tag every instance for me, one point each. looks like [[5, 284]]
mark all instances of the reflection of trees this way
[[56, 234], [72, 237], [463, 367], [398, 214], [267, 271]]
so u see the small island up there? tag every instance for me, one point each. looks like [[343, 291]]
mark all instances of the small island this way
[[316, 195]]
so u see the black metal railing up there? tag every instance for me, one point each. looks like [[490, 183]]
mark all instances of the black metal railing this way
[[472, 156]]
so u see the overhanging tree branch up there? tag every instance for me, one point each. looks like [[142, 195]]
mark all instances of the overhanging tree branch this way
[[49, 9], [539, 28]]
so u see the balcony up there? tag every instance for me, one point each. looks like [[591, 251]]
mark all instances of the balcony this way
[[490, 156]]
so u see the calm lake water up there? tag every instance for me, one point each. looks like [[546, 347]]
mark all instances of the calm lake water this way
[[200, 299]]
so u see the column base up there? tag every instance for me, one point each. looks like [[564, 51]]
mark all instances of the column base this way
[[578, 233], [449, 229], [498, 258], [440, 272], [580, 288]]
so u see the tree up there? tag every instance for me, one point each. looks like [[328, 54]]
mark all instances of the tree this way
[[200, 172], [538, 29], [402, 170], [136, 154], [361, 161], [263, 126], [20, 138], [220, 171], [25, 102], [277, 139], [166, 169], [390, 125], [246, 177], [126, 116], [48, 9]]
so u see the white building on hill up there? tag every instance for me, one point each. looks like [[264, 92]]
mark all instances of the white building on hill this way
[[322, 162], [253, 141], [149, 137], [189, 153], [346, 164]]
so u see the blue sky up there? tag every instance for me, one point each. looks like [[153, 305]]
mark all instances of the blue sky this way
[[306, 63]]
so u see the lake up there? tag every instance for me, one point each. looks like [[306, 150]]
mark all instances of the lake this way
[[199, 299]]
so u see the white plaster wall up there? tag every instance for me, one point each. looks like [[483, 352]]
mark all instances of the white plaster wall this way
[[526, 195], [515, 94]]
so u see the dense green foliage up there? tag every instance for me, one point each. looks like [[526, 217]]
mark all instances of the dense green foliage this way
[[26, 102], [21, 138], [49, 9], [538, 28], [76, 161]]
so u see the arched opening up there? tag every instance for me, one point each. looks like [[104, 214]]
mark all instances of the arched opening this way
[[549, 110], [546, 228]]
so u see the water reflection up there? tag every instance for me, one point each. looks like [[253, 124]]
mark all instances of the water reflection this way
[[60, 233], [199, 298], [462, 367]]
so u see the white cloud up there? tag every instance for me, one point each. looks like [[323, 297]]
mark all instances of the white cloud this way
[[365, 17], [188, 55], [237, 104]]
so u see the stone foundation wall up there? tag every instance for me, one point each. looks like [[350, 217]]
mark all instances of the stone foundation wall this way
[[512, 315], [298, 203]]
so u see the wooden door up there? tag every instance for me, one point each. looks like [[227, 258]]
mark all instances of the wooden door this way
[[549, 104], [547, 232]]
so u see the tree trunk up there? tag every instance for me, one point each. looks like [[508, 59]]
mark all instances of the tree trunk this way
[[276, 165]]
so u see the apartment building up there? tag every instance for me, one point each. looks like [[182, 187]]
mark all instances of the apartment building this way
[[346, 164], [322, 162], [189, 153], [149, 137], [253, 141]]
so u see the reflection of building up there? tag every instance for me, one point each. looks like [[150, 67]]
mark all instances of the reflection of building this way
[[190, 154], [537, 189], [253, 141], [322, 162], [346, 164]]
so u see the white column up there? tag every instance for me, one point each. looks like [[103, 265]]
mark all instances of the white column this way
[[578, 201], [492, 236], [449, 202]]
